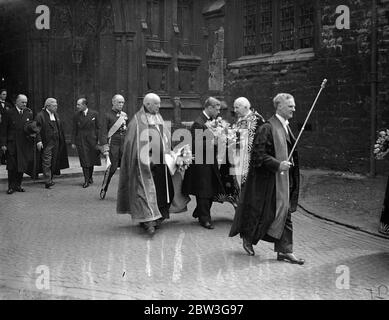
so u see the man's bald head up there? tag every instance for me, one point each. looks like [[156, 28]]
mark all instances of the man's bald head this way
[[117, 102], [21, 101], [152, 102], [242, 106]]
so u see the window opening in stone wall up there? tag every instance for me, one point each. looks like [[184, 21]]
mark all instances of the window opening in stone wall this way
[[266, 26], [287, 25], [185, 19], [155, 18], [277, 25], [249, 36], [185, 25], [306, 25]]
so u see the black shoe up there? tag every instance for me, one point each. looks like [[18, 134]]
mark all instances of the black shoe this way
[[10, 191], [289, 257], [150, 230], [158, 223], [19, 189], [85, 185], [248, 247], [207, 225], [103, 192], [149, 227], [48, 185]]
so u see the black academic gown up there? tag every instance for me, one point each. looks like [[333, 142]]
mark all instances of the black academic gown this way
[[43, 121], [257, 204]]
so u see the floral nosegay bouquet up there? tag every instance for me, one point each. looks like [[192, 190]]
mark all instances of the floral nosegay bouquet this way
[[381, 147], [184, 158], [221, 130], [179, 159]]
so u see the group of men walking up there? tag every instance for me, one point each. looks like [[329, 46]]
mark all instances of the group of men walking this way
[[265, 187], [267, 181], [37, 145]]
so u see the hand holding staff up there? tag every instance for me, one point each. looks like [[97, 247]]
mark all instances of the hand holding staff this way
[[306, 120]]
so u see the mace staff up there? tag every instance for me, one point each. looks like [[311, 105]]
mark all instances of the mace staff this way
[[305, 122]]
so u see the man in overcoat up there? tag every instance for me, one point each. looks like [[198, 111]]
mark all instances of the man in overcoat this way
[[202, 178], [16, 143], [4, 106], [51, 142], [270, 194], [85, 135]]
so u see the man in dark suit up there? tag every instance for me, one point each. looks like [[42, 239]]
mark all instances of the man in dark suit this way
[[51, 142], [85, 135], [202, 178], [4, 106], [15, 142], [113, 132]]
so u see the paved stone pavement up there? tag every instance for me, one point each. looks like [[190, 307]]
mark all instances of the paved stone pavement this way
[[93, 253]]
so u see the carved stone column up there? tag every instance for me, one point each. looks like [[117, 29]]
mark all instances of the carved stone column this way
[[119, 63], [131, 73]]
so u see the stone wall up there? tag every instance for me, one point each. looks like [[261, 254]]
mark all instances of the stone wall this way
[[337, 135]]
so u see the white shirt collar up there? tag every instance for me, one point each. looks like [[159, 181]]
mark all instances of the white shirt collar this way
[[284, 122], [85, 111], [207, 116], [18, 109]]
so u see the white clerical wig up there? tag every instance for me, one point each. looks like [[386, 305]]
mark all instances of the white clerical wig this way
[[50, 101]]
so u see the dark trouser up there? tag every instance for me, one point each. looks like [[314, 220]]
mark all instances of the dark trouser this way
[[14, 177], [285, 243], [203, 209], [164, 211], [385, 210], [88, 173], [115, 155], [49, 159]]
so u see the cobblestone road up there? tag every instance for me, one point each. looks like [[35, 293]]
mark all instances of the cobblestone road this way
[[93, 253]]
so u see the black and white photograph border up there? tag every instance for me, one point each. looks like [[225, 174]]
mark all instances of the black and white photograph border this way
[[89, 67]]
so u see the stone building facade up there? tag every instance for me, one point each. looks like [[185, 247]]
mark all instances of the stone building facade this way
[[195, 48], [291, 46]]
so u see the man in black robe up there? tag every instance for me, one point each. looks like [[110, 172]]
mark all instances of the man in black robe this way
[[270, 194], [85, 135], [202, 178], [51, 142]]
